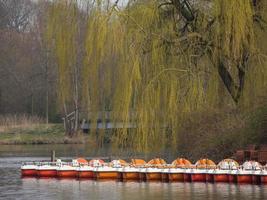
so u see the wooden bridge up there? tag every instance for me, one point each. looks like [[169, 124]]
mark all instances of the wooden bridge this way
[[101, 120], [104, 120]]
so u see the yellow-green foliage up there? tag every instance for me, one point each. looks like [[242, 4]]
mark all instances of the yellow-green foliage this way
[[234, 28], [236, 33], [152, 87], [61, 33], [137, 66]]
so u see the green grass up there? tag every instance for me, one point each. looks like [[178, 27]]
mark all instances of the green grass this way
[[39, 134]]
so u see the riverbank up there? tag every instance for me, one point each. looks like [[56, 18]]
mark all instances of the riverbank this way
[[39, 134]]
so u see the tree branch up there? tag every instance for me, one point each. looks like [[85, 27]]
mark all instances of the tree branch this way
[[235, 90], [184, 7]]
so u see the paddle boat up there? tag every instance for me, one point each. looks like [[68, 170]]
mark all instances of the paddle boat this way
[[109, 170], [154, 168], [224, 169], [177, 171], [29, 169], [131, 171], [68, 169], [48, 169], [203, 171], [85, 169], [247, 171]]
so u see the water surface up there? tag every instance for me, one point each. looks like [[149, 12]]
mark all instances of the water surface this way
[[12, 186]]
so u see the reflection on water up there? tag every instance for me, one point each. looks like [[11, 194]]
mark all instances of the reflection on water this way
[[90, 189], [13, 187]]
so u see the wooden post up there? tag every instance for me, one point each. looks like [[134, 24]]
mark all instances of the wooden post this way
[[53, 156]]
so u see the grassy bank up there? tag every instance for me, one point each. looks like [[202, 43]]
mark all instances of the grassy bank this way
[[39, 134]]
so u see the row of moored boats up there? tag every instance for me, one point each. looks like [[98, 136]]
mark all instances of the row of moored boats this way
[[181, 169]]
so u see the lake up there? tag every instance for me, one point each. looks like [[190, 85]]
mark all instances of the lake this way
[[12, 186]]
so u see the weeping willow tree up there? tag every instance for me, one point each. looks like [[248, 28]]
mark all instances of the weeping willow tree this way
[[61, 34], [155, 63]]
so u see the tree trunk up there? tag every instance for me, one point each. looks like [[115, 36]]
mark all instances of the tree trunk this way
[[235, 90], [76, 100], [47, 92], [32, 103], [185, 9]]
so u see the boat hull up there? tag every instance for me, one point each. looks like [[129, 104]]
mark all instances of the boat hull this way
[[221, 178], [47, 173], [187, 177], [244, 178], [232, 178], [67, 173], [256, 179], [165, 177], [198, 177], [28, 172], [153, 176], [176, 177], [263, 179], [209, 178], [85, 174], [130, 176], [106, 175], [142, 176]]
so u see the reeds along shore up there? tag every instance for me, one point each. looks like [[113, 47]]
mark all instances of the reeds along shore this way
[[180, 170], [8, 122]]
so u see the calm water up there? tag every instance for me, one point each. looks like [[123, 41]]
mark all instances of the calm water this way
[[13, 187]]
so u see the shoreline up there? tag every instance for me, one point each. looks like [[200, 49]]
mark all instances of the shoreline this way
[[41, 142], [39, 134]]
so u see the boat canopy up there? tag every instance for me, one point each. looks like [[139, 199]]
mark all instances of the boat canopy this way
[[228, 164], [157, 161], [96, 162], [205, 163], [138, 162], [181, 162], [118, 163], [82, 161], [252, 165]]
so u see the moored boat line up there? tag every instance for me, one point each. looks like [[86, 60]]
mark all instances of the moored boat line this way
[[181, 170]]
